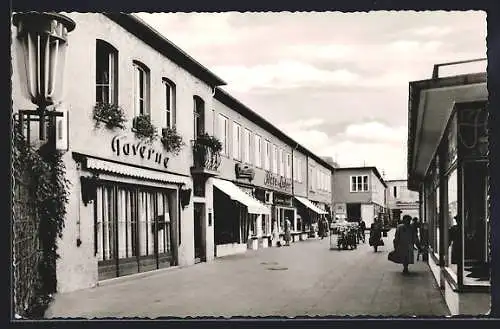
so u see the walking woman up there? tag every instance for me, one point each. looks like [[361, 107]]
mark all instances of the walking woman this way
[[404, 240], [375, 239]]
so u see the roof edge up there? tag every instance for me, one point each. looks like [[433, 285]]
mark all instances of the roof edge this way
[[228, 100], [167, 48]]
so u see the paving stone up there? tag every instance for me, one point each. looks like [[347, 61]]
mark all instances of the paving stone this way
[[317, 281]]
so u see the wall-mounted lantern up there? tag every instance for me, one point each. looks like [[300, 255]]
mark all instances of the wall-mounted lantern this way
[[185, 197], [43, 39]]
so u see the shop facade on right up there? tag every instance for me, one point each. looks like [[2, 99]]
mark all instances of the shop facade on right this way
[[448, 166]]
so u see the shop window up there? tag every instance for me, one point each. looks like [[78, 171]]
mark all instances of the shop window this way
[[452, 222], [132, 225], [476, 224], [106, 74]]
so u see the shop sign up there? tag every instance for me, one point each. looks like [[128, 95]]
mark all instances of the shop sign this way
[[473, 131], [278, 182], [282, 200], [120, 146], [340, 208], [244, 171]]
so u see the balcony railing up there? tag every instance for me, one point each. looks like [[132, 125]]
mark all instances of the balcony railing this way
[[204, 157]]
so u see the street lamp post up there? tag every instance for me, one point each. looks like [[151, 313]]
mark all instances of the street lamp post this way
[[43, 40]]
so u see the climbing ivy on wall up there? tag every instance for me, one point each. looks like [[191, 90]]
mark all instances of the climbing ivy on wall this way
[[48, 194]]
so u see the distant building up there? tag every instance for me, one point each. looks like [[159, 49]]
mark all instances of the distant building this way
[[330, 161], [359, 193], [400, 201]]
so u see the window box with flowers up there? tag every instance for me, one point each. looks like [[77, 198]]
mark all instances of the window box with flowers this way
[[171, 140], [206, 152], [111, 115], [143, 128]]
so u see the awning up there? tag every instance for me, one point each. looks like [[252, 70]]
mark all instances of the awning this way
[[237, 194], [143, 173], [310, 205]]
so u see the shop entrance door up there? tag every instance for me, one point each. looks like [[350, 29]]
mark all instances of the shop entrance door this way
[[199, 220], [132, 229]]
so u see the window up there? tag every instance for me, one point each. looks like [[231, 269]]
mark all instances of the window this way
[[169, 88], [247, 140], [199, 116], [236, 141], [258, 151], [288, 165], [395, 192], [275, 159], [141, 89], [452, 222], [299, 170], [106, 73], [295, 168], [282, 163], [359, 183], [267, 155], [224, 133], [311, 179]]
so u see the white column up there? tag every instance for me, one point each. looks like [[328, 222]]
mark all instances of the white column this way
[[259, 225], [295, 219]]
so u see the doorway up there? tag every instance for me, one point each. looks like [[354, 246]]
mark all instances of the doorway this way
[[199, 232]]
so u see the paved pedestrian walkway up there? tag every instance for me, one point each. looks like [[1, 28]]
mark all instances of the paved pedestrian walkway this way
[[305, 279]]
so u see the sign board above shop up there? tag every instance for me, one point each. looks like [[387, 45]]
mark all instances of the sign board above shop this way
[[127, 147], [279, 182]]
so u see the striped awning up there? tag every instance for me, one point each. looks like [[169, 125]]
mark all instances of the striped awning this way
[[237, 194], [310, 205], [131, 171]]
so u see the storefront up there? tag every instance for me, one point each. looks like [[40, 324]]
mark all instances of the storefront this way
[[455, 197], [135, 225], [237, 218], [309, 214]]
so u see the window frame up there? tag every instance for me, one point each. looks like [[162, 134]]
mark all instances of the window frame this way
[[112, 68], [223, 133], [198, 113], [170, 102], [359, 181], [258, 150], [236, 141], [247, 146], [275, 159], [139, 68]]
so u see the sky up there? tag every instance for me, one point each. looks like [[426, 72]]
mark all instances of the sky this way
[[337, 83]]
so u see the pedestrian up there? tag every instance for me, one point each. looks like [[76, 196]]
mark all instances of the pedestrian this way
[[288, 232], [454, 240], [375, 239], [424, 241], [362, 229], [321, 229], [404, 240], [275, 233]]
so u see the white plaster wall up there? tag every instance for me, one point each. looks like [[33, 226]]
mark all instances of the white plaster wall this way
[[77, 267]]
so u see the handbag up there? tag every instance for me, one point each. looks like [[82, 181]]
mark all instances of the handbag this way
[[393, 256]]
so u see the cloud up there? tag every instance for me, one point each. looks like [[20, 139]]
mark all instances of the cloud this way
[[376, 131], [283, 74], [339, 80]]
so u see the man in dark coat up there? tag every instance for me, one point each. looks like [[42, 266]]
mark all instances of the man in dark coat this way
[[404, 241]]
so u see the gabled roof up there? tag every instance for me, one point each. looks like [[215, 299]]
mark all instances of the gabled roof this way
[[372, 168], [153, 38]]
